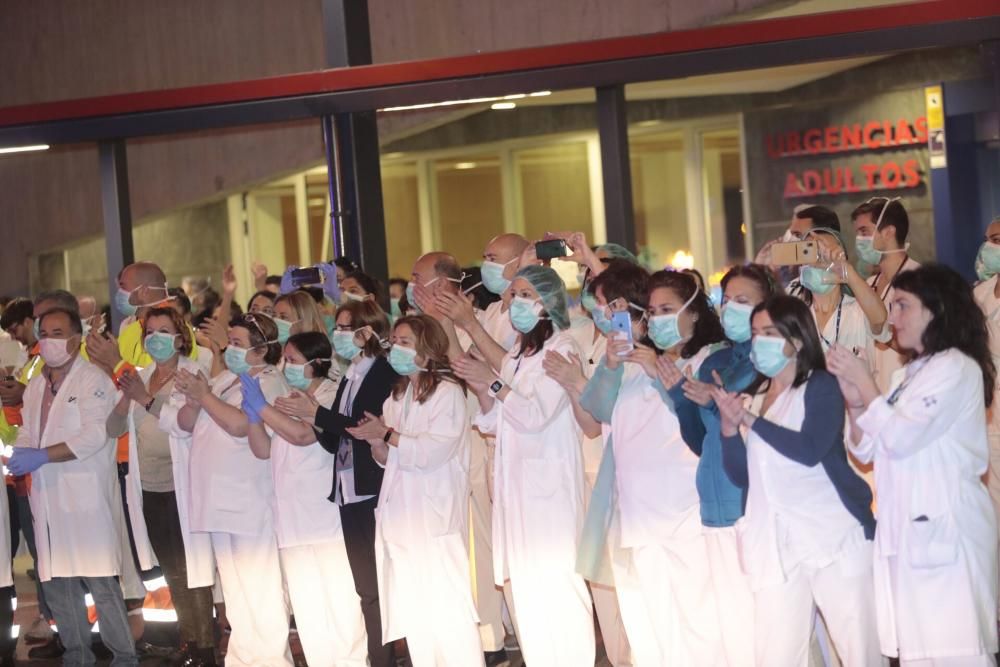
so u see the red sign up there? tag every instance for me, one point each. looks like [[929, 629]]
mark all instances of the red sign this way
[[831, 180]]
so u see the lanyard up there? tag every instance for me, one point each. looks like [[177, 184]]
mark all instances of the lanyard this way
[[836, 335], [898, 392], [885, 292]]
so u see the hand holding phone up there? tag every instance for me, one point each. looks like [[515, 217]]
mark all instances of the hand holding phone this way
[[794, 253], [306, 276], [551, 249], [621, 325]]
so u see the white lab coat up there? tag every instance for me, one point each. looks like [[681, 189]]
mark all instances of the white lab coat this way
[[936, 538], [421, 523], [198, 554], [538, 510], [231, 489], [76, 505], [660, 560]]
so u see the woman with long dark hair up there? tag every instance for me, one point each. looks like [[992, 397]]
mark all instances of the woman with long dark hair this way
[[936, 544], [806, 536]]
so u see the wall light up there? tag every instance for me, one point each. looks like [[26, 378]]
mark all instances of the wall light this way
[[502, 106], [24, 149], [465, 165]]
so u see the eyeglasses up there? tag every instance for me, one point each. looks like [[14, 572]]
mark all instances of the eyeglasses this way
[[253, 319]]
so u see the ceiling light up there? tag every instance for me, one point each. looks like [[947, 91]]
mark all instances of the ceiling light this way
[[24, 149], [465, 165], [649, 123], [543, 93], [501, 106], [392, 156]]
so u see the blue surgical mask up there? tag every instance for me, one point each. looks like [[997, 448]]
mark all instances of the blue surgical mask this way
[[122, 305], [403, 360], [816, 280], [330, 322], [736, 321], [161, 346], [343, 345], [767, 353], [236, 360], [664, 331], [296, 375], [987, 262], [492, 275], [412, 300], [284, 329], [524, 314], [601, 320], [866, 250], [394, 310]]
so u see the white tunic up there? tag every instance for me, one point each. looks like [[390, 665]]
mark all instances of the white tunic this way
[[853, 330], [936, 537], [538, 509], [423, 509], [496, 321], [76, 505], [793, 515], [231, 489], [591, 352], [302, 476], [984, 293]]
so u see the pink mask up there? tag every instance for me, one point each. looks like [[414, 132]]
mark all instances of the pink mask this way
[[54, 352]]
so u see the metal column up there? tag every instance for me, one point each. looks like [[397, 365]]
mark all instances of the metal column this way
[[612, 127], [117, 215], [359, 208]]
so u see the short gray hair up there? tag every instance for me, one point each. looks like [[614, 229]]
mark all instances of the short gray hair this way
[[61, 298]]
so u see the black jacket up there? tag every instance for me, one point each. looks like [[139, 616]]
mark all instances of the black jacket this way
[[370, 397]]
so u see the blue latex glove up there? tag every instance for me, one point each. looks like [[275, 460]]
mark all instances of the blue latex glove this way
[[252, 416], [286, 280], [25, 460], [252, 395], [331, 286]]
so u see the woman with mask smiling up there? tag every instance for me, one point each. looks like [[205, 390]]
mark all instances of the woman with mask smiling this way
[[232, 496], [805, 539], [538, 491], [157, 483], [310, 538], [296, 312]]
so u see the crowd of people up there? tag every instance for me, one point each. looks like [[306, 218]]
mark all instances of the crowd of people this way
[[803, 471]]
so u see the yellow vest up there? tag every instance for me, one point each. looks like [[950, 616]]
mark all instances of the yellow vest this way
[[131, 349]]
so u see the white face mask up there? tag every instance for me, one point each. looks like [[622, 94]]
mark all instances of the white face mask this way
[[54, 352]]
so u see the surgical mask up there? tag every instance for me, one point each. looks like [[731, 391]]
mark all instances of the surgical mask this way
[[347, 297], [412, 300], [330, 322], [767, 353], [394, 309], [127, 309], [492, 274], [815, 280], [601, 320], [525, 314], [987, 261], [664, 330], [86, 328], [343, 345], [403, 360], [588, 302], [36, 328], [160, 346], [736, 321], [236, 360], [284, 329], [866, 250], [54, 352], [296, 375]]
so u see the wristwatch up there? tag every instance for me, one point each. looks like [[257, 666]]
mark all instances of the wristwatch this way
[[496, 387], [388, 434]]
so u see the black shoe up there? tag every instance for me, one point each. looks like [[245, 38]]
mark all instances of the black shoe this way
[[496, 658], [50, 650], [101, 652]]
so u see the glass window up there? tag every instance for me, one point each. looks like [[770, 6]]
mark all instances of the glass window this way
[[659, 198], [401, 203], [554, 185], [468, 205], [722, 193]]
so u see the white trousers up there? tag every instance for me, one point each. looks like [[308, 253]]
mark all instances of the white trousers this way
[[609, 617], [965, 661], [993, 473], [250, 571], [843, 592], [733, 597], [326, 605], [489, 599], [665, 596], [555, 617]]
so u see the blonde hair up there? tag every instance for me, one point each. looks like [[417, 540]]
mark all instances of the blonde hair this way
[[306, 311]]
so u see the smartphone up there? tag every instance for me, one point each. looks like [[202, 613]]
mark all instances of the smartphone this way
[[306, 276], [551, 249], [794, 253], [621, 324]]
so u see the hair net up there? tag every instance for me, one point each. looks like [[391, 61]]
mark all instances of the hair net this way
[[551, 291], [616, 251]]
